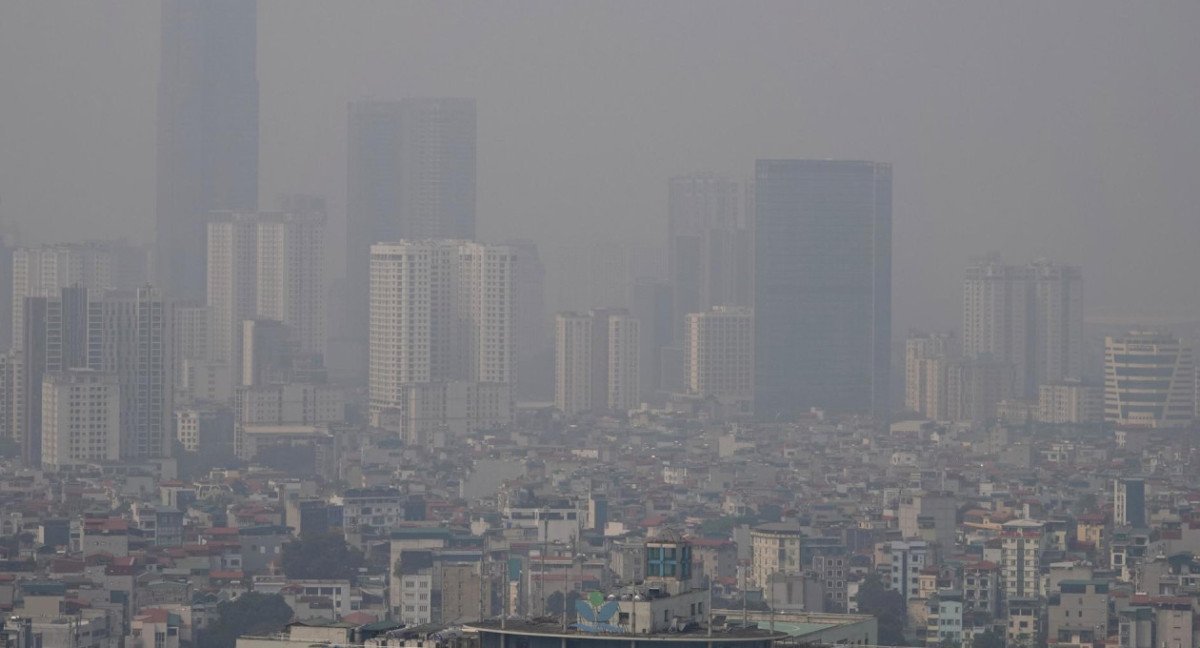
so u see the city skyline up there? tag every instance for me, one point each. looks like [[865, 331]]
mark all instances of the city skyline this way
[[988, 204]]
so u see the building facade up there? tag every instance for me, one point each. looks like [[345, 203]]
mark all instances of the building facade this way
[[823, 232], [572, 363], [720, 356], [81, 418], [410, 174], [1149, 381], [1028, 316], [442, 311]]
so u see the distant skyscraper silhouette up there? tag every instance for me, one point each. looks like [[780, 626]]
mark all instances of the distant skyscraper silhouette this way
[[410, 174], [1028, 316], [207, 131], [710, 247], [823, 262]]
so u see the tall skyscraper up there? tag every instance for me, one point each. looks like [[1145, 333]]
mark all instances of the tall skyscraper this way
[[441, 312], [55, 332], [129, 337], [533, 360], [410, 174], [1029, 316], [710, 247], [1149, 381], [573, 363], [265, 265], [651, 303], [720, 356], [207, 131], [823, 269], [624, 347]]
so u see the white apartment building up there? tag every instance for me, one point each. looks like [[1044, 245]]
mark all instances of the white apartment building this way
[[1149, 381], [291, 276], [1070, 402], [907, 561], [719, 357], [597, 361], [624, 347], [44, 271], [775, 548], [921, 371], [81, 418], [1021, 558], [265, 265], [441, 312], [572, 363]]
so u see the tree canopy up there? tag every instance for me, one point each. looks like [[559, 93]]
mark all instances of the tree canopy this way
[[251, 613], [887, 606], [320, 556]]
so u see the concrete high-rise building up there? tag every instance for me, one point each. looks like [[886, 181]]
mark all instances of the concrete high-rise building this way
[[232, 285], [710, 248], [624, 347], [775, 548], [973, 389], [1129, 502], [1028, 316], [651, 302], [44, 271], [1021, 546], [921, 354], [55, 332], [207, 157], [6, 288], [81, 418], [597, 361], [442, 310], [8, 387], [410, 174], [931, 517], [291, 275], [1070, 402], [267, 353], [720, 356], [129, 337], [533, 363], [1149, 381], [823, 272], [907, 561], [265, 265], [573, 363], [191, 337]]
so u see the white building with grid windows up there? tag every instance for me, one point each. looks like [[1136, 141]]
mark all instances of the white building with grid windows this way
[[441, 311], [81, 418]]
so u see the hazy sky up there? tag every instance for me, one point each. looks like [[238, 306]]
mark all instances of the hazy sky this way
[[1067, 129]]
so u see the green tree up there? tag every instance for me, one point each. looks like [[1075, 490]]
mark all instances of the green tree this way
[[888, 608], [988, 639], [320, 556], [249, 614]]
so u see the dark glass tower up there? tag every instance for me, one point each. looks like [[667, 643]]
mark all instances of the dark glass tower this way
[[823, 273], [207, 131]]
